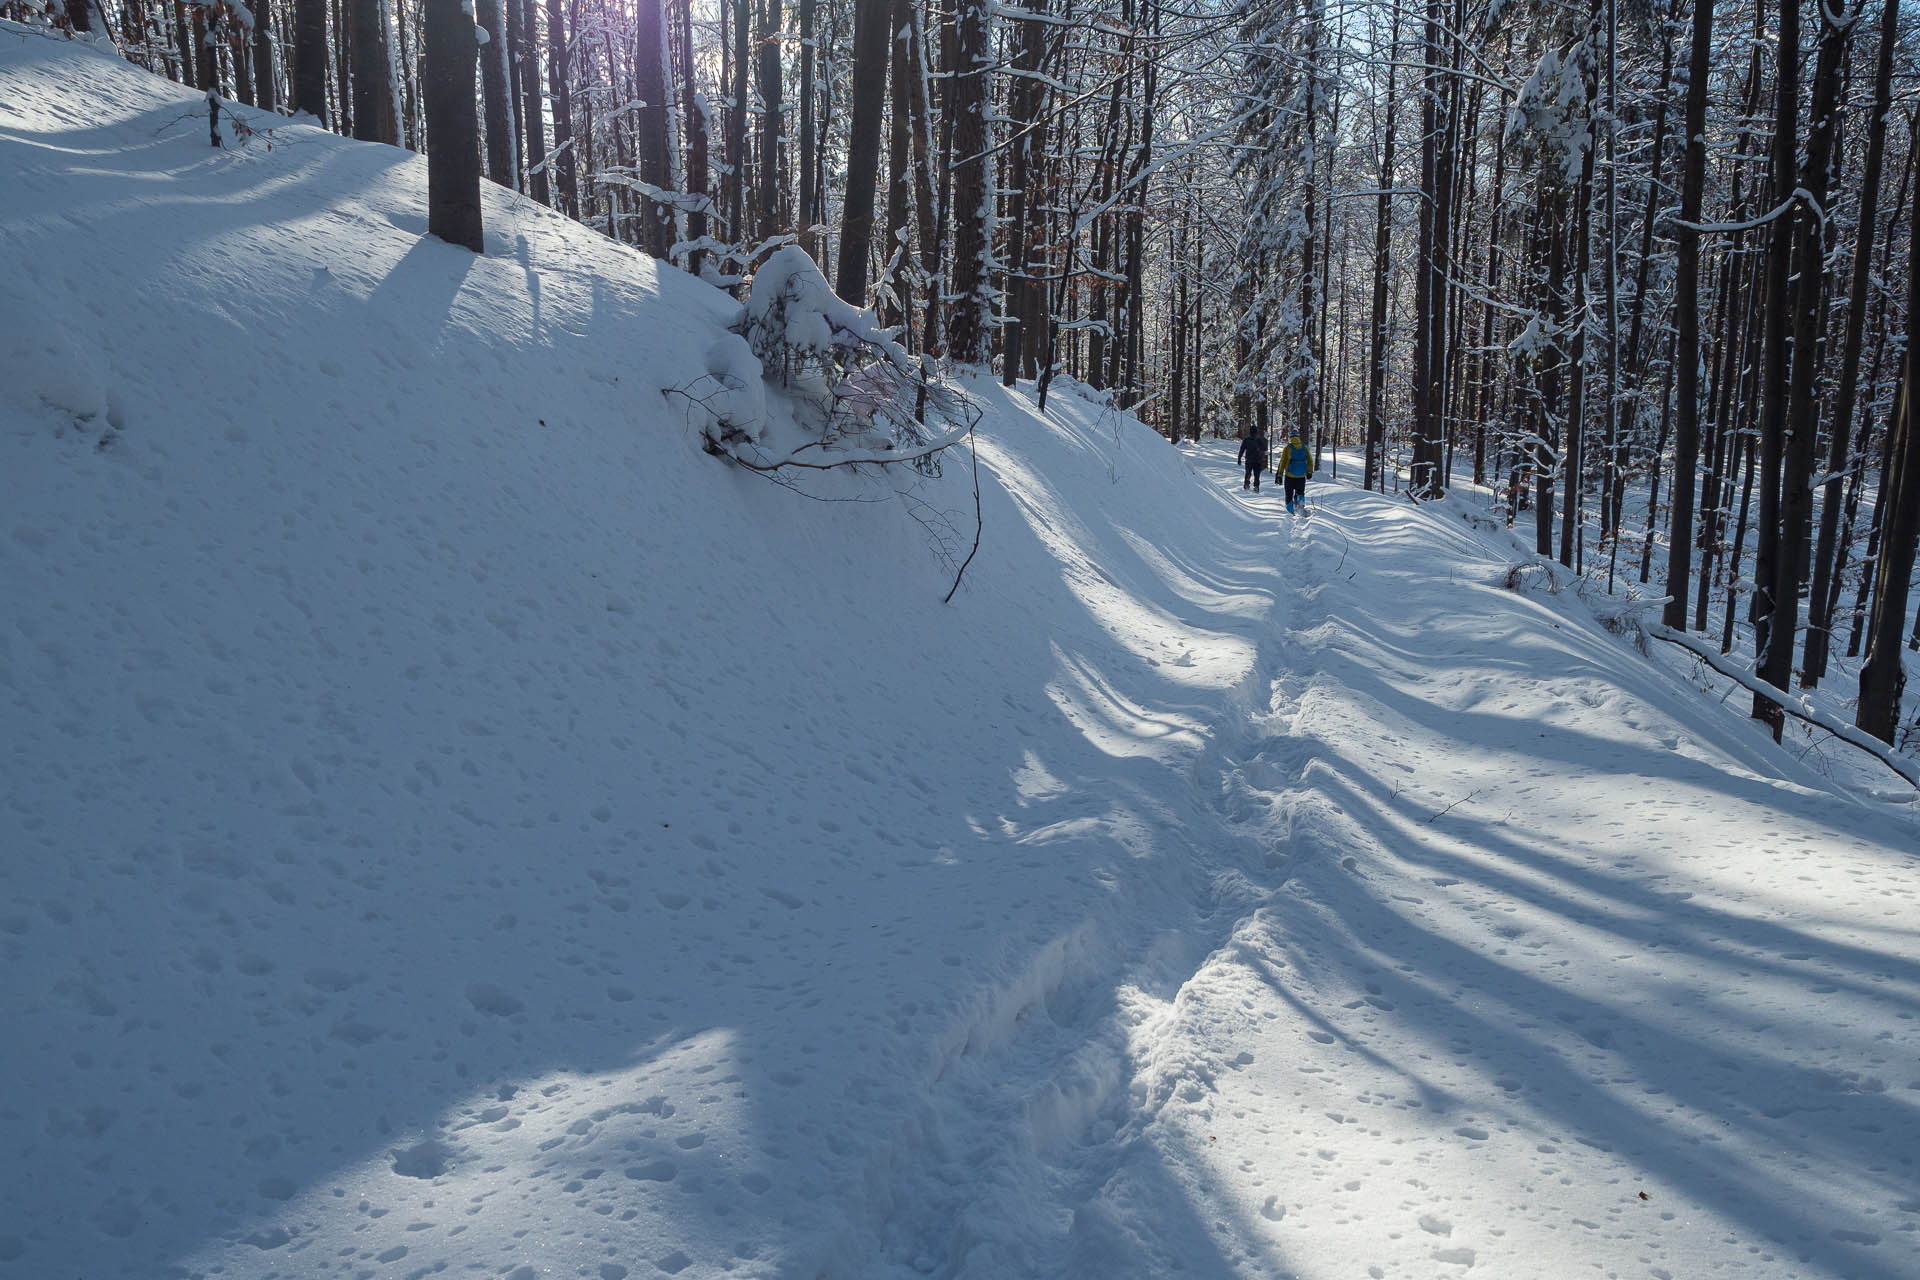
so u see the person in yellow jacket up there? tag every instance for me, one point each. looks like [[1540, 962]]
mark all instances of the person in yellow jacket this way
[[1295, 465]]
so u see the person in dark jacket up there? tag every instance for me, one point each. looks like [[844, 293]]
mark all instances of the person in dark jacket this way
[[1253, 456]]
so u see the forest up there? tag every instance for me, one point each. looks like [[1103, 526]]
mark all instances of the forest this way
[[1644, 270]]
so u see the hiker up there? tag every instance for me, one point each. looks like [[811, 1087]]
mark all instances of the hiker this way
[[1253, 456], [1295, 465]]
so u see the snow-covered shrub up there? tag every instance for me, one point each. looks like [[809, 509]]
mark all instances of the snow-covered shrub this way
[[795, 323], [849, 392]]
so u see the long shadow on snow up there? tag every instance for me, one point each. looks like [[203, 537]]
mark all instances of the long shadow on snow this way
[[1749, 1097], [1861, 1131]]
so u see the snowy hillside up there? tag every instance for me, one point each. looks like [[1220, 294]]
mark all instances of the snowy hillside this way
[[454, 824]]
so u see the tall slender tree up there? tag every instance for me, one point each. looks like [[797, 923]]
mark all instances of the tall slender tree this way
[[870, 48], [1687, 302]]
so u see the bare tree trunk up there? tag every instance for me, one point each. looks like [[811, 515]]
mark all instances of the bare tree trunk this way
[[493, 86], [808, 214], [1746, 463], [1778, 356], [1883, 675], [1687, 304], [1796, 498], [1572, 459], [899, 266], [1382, 244], [266, 91], [343, 69], [1024, 98], [737, 123], [310, 58], [372, 75], [206, 73], [871, 22], [650, 76], [929, 206], [453, 154], [693, 108], [533, 116], [1821, 598], [559, 71], [972, 208], [771, 118], [1551, 228]]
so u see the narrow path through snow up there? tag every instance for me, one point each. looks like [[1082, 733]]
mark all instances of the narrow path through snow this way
[[1497, 958]]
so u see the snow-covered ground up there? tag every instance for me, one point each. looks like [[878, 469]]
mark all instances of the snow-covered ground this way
[[453, 824]]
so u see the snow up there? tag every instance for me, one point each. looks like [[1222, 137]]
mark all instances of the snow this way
[[454, 824], [790, 307]]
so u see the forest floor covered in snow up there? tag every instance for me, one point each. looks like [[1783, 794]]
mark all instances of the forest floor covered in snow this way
[[454, 825]]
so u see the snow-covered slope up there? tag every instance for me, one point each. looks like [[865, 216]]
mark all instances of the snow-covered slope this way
[[452, 824], [451, 819]]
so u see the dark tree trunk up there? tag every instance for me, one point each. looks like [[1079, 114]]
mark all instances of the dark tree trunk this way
[[237, 51], [1546, 431], [310, 58], [206, 72], [487, 17], [737, 180], [342, 70], [1572, 458], [1768, 551], [929, 209], [968, 330], [453, 153], [871, 22], [1883, 675], [1024, 98], [1430, 353], [1687, 303], [693, 109], [1826, 565], [808, 213], [650, 86], [897, 264], [372, 75], [771, 118], [1382, 244], [1796, 497], [559, 68], [533, 116], [1739, 541]]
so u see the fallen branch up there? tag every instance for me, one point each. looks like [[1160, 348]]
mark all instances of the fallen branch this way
[[978, 525], [1450, 808], [1800, 708], [842, 458]]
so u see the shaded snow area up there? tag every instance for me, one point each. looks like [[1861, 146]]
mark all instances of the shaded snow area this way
[[453, 825]]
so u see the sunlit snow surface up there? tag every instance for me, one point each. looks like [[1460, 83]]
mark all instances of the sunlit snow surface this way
[[453, 825]]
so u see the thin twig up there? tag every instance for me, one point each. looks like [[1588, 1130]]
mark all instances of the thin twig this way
[[977, 523], [1450, 808]]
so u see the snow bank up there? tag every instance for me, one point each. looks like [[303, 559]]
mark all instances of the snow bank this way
[[453, 822]]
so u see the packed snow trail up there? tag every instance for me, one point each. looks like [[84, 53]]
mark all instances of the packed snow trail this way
[[1568, 973]]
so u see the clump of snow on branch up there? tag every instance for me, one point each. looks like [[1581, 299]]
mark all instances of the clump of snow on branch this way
[[794, 322], [847, 393], [1551, 122]]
